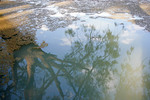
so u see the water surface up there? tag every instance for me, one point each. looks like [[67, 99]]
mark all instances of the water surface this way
[[74, 52]]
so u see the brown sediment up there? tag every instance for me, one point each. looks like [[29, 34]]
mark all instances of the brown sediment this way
[[8, 10], [145, 7], [29, 65], [63, 3], [11, 38]]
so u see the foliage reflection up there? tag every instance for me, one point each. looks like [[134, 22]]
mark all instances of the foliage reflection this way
[[85, 72], [86, 69]]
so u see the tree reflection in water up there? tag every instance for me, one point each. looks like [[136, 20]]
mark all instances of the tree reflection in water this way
[[84, 74], [95, 55], [86, 69]]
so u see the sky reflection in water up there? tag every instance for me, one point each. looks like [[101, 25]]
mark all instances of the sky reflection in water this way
[[123, 73]]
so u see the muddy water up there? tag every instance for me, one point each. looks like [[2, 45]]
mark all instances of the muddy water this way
[[75, 51]]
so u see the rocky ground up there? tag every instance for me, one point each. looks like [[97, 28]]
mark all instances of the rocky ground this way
[[55, 13]]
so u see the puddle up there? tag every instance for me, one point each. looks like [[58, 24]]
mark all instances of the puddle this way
[[74, 55]]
